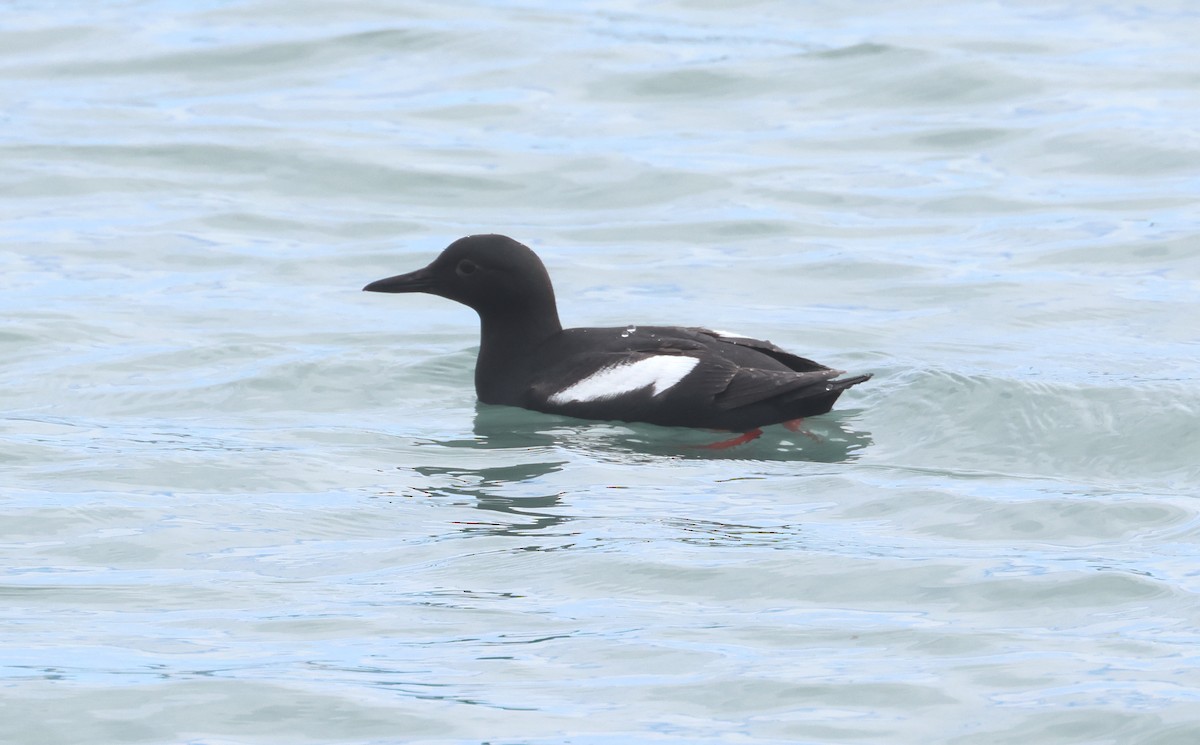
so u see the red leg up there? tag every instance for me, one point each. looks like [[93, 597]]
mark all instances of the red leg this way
[[741, 439], [797, 425]]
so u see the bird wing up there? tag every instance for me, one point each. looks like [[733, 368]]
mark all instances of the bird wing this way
[[749, 386], [794, 361], [731, 372], [732, 385]]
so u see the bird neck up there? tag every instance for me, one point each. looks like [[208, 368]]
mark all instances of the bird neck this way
[[507, 342], [519, 331]]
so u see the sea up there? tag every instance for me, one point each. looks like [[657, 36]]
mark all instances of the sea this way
[[244, 503]]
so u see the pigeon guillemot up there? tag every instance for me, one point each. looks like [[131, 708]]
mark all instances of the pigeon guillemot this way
[[666, 375]]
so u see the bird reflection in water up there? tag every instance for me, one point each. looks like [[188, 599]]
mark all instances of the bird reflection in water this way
[[490, 488], [536, 445], [826, 439]]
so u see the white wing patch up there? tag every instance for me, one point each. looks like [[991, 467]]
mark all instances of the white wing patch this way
[[660, 372], [727, 334]]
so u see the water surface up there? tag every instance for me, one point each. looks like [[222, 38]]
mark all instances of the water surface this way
[[244, 502]]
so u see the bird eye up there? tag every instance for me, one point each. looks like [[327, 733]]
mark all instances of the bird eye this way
[[465, 267]]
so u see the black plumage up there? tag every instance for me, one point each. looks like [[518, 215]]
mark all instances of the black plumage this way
[[666, 375]]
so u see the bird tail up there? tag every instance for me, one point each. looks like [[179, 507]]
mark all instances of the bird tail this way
[[814, 403], [844, 383]]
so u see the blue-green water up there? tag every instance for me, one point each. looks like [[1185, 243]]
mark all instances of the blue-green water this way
[[243, 502]]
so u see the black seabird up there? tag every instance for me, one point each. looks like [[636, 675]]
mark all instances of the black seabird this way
[[666, 375]]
